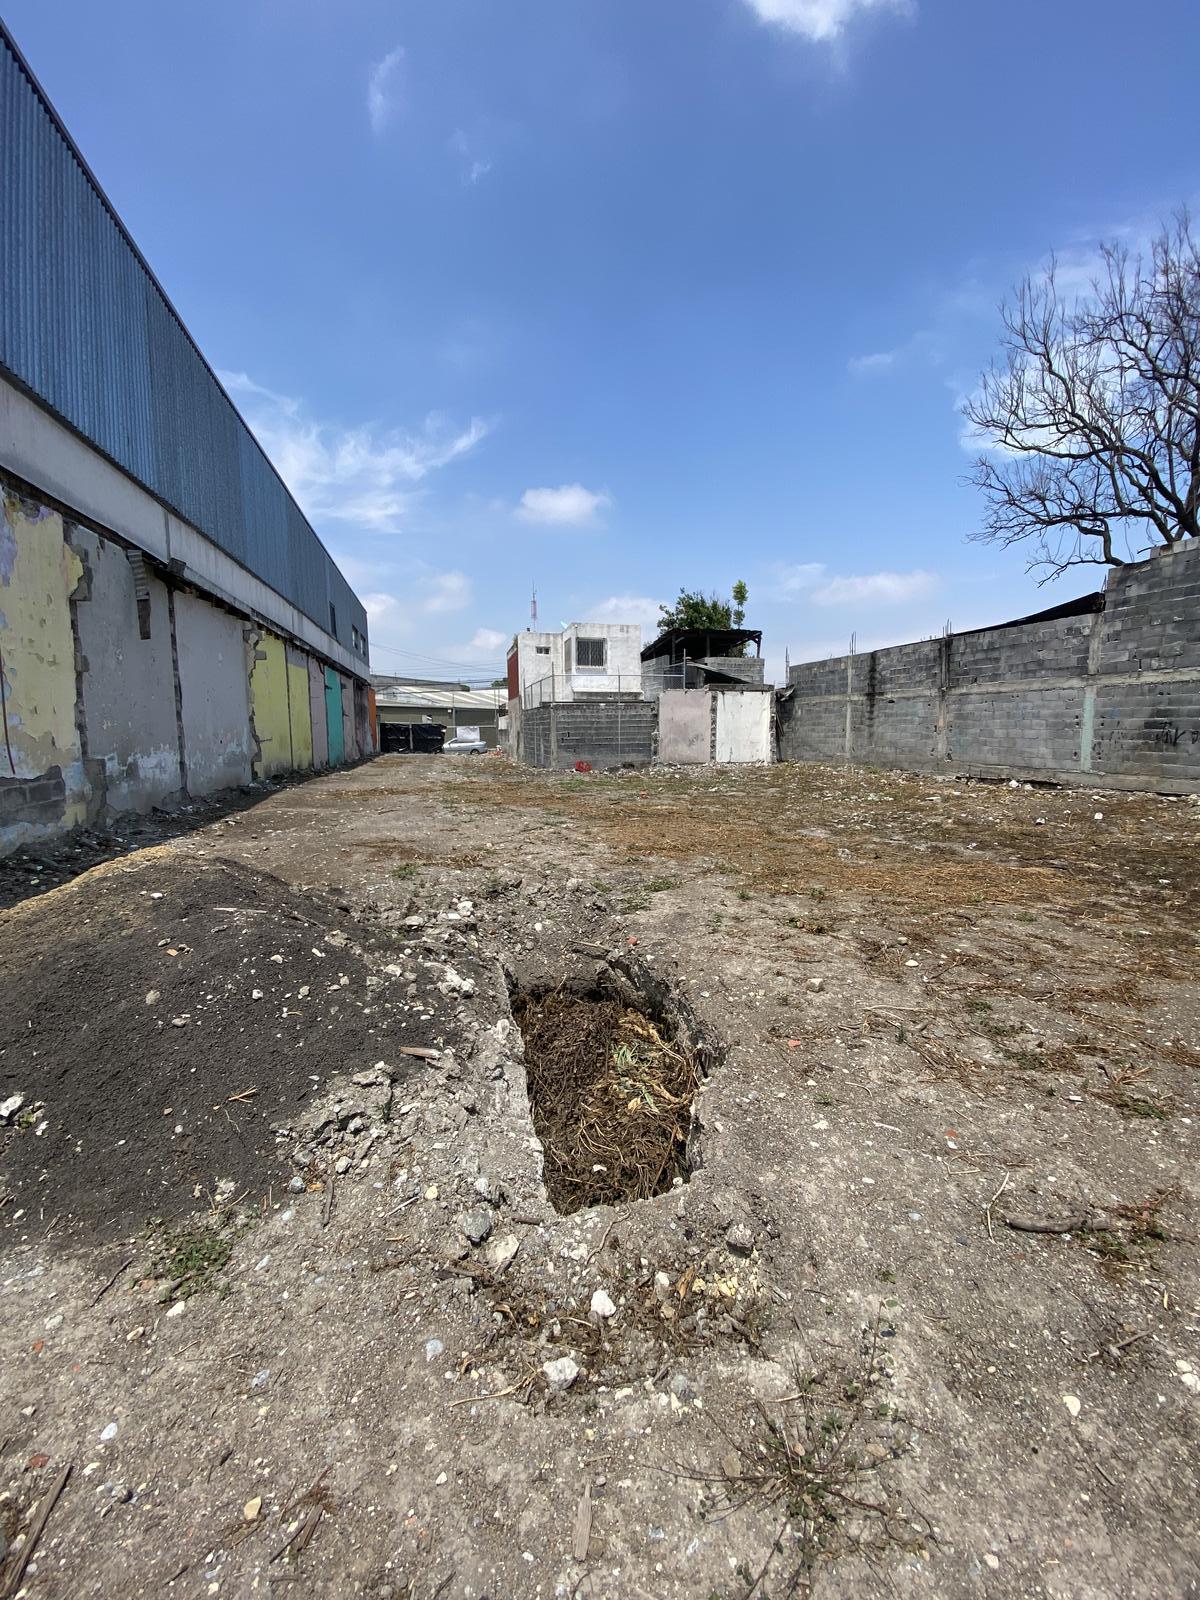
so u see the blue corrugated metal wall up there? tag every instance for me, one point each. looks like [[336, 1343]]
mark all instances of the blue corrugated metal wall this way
[[85, 328]]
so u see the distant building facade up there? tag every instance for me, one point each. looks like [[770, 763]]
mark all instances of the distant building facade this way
[[452, 706], [586, 659], [587, 664]]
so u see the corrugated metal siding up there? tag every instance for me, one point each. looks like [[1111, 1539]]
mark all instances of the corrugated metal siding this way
[[85, 327]]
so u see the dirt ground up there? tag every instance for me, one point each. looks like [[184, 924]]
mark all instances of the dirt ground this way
[[284, 1301]]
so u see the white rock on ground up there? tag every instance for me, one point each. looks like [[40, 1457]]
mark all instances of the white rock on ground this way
[[602, 1305], [560, 1374]]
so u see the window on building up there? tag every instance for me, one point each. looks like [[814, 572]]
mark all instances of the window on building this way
[[541, 649], [590, 655], [333, 619]]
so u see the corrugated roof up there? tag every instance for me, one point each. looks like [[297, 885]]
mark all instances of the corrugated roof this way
[[442, 699], [87, 329]]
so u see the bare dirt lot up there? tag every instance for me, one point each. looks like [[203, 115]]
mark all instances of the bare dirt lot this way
[[912, 1303]]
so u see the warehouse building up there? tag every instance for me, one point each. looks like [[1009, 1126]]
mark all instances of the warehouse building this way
[[170, 623], [423, 703]]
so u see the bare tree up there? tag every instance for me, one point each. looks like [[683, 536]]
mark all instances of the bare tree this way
[[1090, 421]]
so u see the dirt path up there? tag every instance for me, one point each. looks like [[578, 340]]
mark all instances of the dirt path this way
[[281, 1283]]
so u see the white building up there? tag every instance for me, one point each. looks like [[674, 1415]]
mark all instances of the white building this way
[[586, 661]]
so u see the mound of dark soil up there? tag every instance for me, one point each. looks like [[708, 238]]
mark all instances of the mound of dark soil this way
[[161, 1017]]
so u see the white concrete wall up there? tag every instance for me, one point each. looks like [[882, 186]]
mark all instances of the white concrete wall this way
[[214, 694], [623, 658], [684, 726], [743, 725], [533, 666], [127, 682]]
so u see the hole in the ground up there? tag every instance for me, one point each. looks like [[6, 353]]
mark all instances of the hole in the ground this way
[[612, 1065]]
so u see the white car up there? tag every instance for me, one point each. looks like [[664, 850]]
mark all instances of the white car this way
[[460, 746]]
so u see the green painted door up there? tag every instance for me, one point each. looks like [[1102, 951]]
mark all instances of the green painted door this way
[[333, 717]]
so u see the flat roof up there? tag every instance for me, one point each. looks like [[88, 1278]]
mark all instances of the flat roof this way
[[708, 641]]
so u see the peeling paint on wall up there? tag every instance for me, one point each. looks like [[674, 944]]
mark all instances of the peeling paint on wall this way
[[42, 783], [214, 695], [120, 690], [126, 678], [299, 711], [269, 706], [348, 719], [316, 713]]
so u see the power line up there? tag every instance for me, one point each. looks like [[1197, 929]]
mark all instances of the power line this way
[[437, 661]]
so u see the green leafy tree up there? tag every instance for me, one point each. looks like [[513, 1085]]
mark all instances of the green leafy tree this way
[[696, 610]]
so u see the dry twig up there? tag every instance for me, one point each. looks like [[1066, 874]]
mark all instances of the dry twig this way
[[36, 1528]]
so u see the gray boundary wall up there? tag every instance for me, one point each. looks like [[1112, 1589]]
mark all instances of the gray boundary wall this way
[[1109, 698], [681, 726], [604, 733]]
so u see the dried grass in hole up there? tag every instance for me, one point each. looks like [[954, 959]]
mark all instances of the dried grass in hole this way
[[611, 1099]]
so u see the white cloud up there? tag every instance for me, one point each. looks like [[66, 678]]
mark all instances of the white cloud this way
[[819, 20], [378, 607], [571, 505], [879, 361], [446, 591], [875, 588], [813, 579], [793, 578], [626, 608], [487, 641], [364, 475], [430, 593], [380, 89], [472, 166]]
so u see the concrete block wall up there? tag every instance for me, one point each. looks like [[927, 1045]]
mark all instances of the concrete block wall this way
[[686, 726], [750, 669], [1109, 696], [604, 733], [121, 690]]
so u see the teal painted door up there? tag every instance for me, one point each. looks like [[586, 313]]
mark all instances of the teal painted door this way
[[333, 718]]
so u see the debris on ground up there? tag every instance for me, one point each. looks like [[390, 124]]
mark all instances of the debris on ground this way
[[339, 1255], [611, 1099]]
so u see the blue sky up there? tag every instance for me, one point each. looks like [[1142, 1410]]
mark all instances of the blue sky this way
[[618, 295]]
